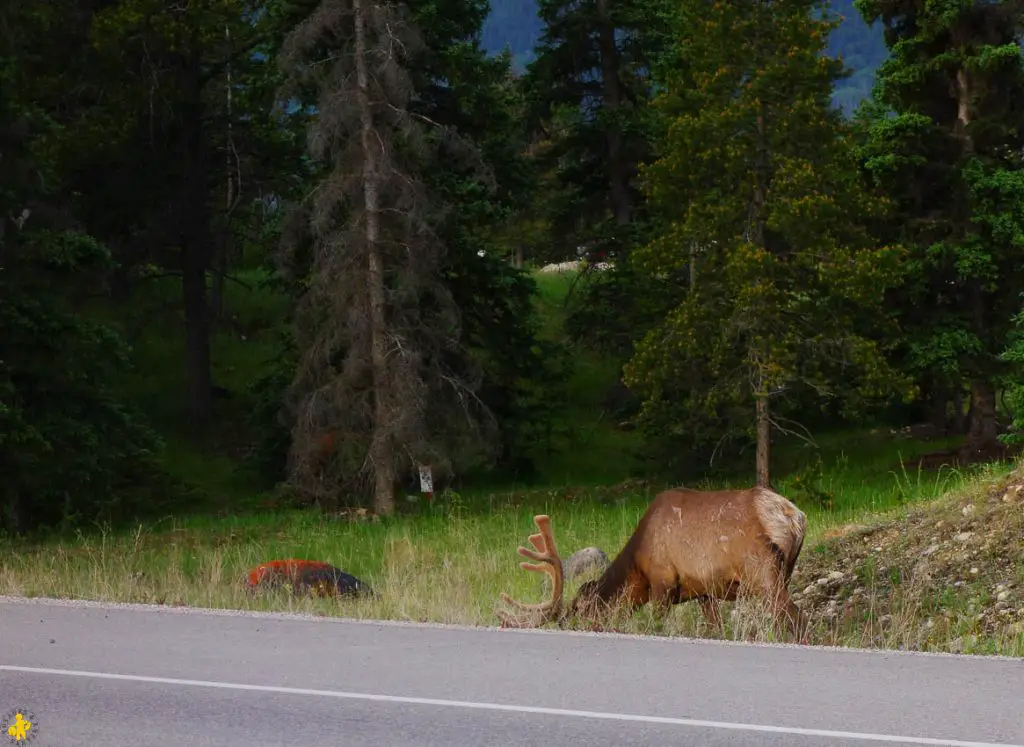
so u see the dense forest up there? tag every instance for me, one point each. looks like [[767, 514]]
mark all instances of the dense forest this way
[[293, 245], [515, 25]]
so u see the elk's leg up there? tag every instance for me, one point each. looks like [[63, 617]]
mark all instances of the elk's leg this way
[[712, 610], [795, 619], [663, 595], [636, 594], [785, 613]]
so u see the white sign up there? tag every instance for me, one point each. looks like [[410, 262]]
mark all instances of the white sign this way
[[426, 480]]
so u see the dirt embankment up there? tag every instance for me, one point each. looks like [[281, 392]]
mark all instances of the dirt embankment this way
[[947, 577]]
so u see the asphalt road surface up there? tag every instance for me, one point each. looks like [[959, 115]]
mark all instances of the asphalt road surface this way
[[91, 674]]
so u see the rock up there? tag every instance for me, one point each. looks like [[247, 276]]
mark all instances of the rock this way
[[589, 560], [931, 549], [974, 571], [1002, 596], [968, 509], [811, 588], [963, 536]]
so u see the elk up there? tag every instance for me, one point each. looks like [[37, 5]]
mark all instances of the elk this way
[[689, 545]]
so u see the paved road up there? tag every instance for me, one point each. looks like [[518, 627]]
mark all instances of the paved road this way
[[132, 675]]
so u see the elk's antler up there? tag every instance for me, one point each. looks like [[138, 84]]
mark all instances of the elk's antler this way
[[547, 562]]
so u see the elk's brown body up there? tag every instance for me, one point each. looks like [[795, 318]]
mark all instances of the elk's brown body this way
[[689, 545]]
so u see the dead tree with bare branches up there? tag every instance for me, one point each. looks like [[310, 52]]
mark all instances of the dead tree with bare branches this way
[[376, 390]]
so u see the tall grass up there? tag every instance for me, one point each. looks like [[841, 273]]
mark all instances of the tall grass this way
[[448, 563], [443, 562]]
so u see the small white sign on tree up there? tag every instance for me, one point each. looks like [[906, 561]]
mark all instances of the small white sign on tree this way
[[426, 481]]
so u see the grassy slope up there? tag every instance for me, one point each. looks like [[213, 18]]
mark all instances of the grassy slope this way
[[591, 451], [197, 558], [946, 575]]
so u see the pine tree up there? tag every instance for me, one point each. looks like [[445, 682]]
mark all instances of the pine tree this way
[[945, 142], [763, 216], [377, 327], [587, 89]]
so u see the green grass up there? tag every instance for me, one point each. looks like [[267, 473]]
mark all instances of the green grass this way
[[446, 562], [588, 449]]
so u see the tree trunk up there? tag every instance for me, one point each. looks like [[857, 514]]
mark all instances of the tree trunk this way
[[14, 514], [382, 454], [938, 407], [983, 432], [959, 424], [618, 169], [962, 85], [195, 248], [764, 443], [757, 237], [220, 259]]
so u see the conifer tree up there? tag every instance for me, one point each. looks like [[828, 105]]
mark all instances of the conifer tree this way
[[945, 141], [378, 331], [587, 88], [756, 187]]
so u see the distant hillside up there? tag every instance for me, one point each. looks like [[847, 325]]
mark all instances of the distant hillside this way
[[515, 23]]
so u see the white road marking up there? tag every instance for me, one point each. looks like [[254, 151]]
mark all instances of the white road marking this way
[[699, 723]]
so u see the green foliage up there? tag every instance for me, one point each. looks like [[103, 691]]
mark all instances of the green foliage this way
[[613, 308], [267, 421], [942, 139], [1014, 395], [587, 91], [515, 24], [524, 375], [70, 449], [763, 259], [759, 191]]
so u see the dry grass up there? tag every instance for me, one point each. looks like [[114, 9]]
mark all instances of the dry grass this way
[[945, 576], [450, 567]]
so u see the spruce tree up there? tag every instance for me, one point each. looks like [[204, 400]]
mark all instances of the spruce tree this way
[[756, 190], [945, 142], [377, 328]]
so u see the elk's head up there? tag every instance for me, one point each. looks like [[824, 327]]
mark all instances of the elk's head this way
[[553, 610]]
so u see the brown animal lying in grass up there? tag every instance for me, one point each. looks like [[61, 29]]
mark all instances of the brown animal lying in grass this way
[[689, 545], [305, 576]]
